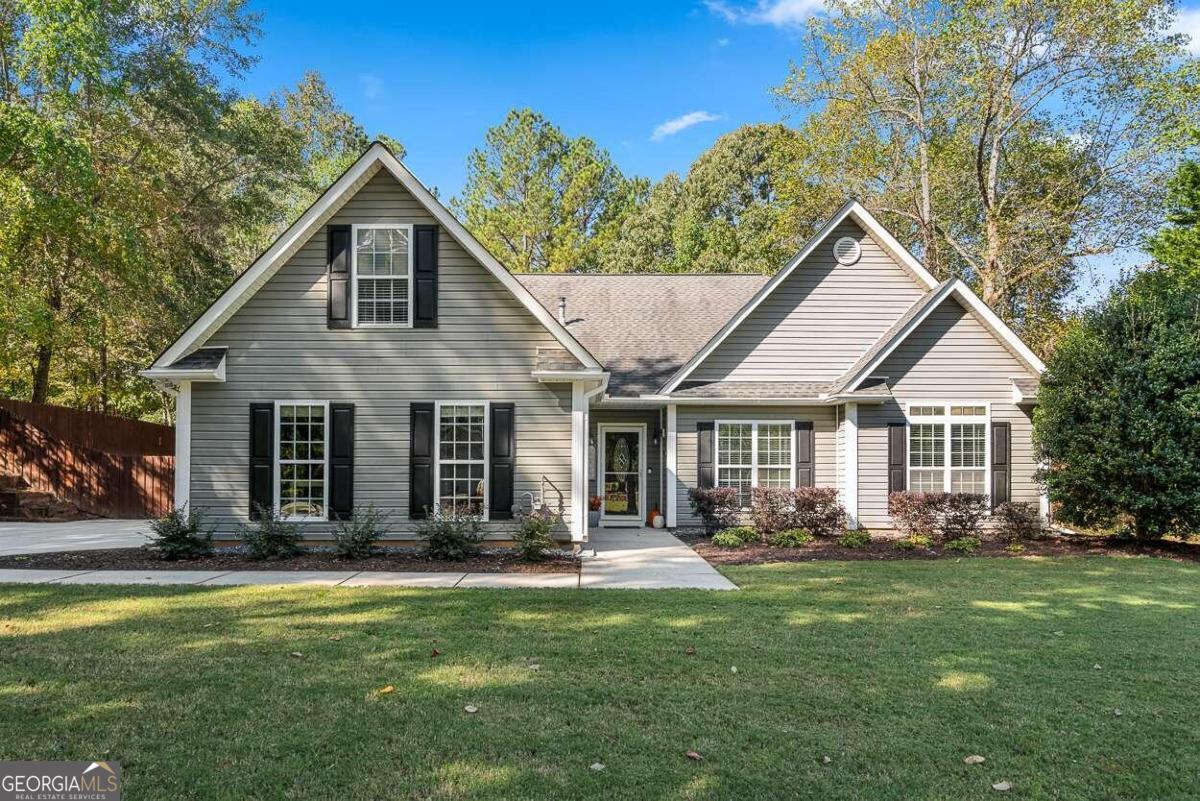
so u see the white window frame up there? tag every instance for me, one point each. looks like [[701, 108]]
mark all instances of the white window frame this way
[[754, 465], [278, 472], [946, 421], [437, 450], [354, 229]]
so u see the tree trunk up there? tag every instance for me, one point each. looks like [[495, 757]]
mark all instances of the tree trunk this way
[[41, 374]]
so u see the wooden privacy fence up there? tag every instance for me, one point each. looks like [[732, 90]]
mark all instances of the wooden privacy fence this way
[[107, 466]]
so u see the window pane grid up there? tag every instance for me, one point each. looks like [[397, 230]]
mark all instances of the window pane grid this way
[[754, 455], [302, 460], [461, 435], [381, 276], [947, 454]]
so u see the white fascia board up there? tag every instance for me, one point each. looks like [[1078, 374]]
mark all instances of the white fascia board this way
[[851, 209], [554, 376], [270, 261], [973, 303]]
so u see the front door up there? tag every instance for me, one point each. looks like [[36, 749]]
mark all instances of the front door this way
[[622, 460]]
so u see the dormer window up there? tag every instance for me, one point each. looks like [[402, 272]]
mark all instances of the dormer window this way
[[381, 266]]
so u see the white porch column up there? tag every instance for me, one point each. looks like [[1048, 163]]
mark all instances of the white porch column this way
[[850, 465], [579, 434], [672, 469], [183, 444]]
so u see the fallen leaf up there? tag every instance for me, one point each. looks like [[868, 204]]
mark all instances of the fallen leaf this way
[[825, 760], [388, 690], [206, 626], [1096, 667], [535, 666], [1003, 787], [690, 650], [1059, 633], [1117, 712], [597, 766], [733, 669], [692, 755], [296, 654], [973, 759], [470, 709], [336, 638], [435, 653]]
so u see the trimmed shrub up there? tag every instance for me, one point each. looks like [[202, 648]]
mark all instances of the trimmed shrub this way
[[743, 533], [772, 510], [271, 537], [962, 515], [534, 537], [716, 506], [964, 544], [915, 542], [790, 538], [1017, 521], [915, 512], [726, 539], [450, 537], [355, 538], [818, 511], [180, 534], [855, 538]]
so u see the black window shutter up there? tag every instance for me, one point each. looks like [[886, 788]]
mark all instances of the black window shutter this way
[[425, 275], [262, 458], [1001, 463], [420, 460], [502, 456], [705, 452], [897, 457], [805, 454], [341, 461], [338, 261]]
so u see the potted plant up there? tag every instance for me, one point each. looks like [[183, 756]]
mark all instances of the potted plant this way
[[594, 511]]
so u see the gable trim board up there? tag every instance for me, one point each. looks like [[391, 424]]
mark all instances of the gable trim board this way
[[972, 303], [852, 209], [376, 157]]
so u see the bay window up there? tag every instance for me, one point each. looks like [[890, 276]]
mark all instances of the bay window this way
[[755, 454], [947, 448]]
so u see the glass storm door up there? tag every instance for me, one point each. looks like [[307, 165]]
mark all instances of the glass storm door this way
[[621, 474]]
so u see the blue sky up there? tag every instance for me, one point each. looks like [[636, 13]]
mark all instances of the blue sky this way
[[655, 83]]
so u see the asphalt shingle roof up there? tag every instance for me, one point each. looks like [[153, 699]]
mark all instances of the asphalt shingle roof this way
[[643, 327], [200, 359]]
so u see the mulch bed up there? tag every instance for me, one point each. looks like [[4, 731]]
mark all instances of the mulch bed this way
[[883, 549], [399, 561]]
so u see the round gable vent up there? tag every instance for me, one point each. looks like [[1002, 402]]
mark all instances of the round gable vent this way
[[847, 250]]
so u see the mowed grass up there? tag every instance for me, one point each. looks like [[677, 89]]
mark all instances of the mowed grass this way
[[893, 670]]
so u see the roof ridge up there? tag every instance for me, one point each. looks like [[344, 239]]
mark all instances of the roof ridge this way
[[640, 275]]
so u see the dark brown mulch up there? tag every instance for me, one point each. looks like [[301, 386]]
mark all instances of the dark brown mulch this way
[[881, 549], [401, 561]]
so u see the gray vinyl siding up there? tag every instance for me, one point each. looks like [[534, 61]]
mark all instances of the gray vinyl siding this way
[[951, 357], [280, 349], [824, 433], [654, 453], [819, 320]]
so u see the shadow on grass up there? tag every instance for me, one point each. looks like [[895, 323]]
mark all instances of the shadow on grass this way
[[895, 668]]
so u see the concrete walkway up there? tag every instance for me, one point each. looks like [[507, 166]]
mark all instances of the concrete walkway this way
[[631, 559], [646, 559], [76, 535]]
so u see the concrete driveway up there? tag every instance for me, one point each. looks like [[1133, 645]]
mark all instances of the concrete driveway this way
[[77, 535]]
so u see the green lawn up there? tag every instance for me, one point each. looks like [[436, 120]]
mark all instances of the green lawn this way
[[894, 670]]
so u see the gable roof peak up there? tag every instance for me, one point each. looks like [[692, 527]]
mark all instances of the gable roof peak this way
[[377, 156]]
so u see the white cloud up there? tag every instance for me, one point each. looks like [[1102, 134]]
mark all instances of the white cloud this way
[[1188, 22], [372, 86], [722, 43], [779, 13], [672, 127]]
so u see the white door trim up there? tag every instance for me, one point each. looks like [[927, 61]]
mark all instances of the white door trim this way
[[636, 428]]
